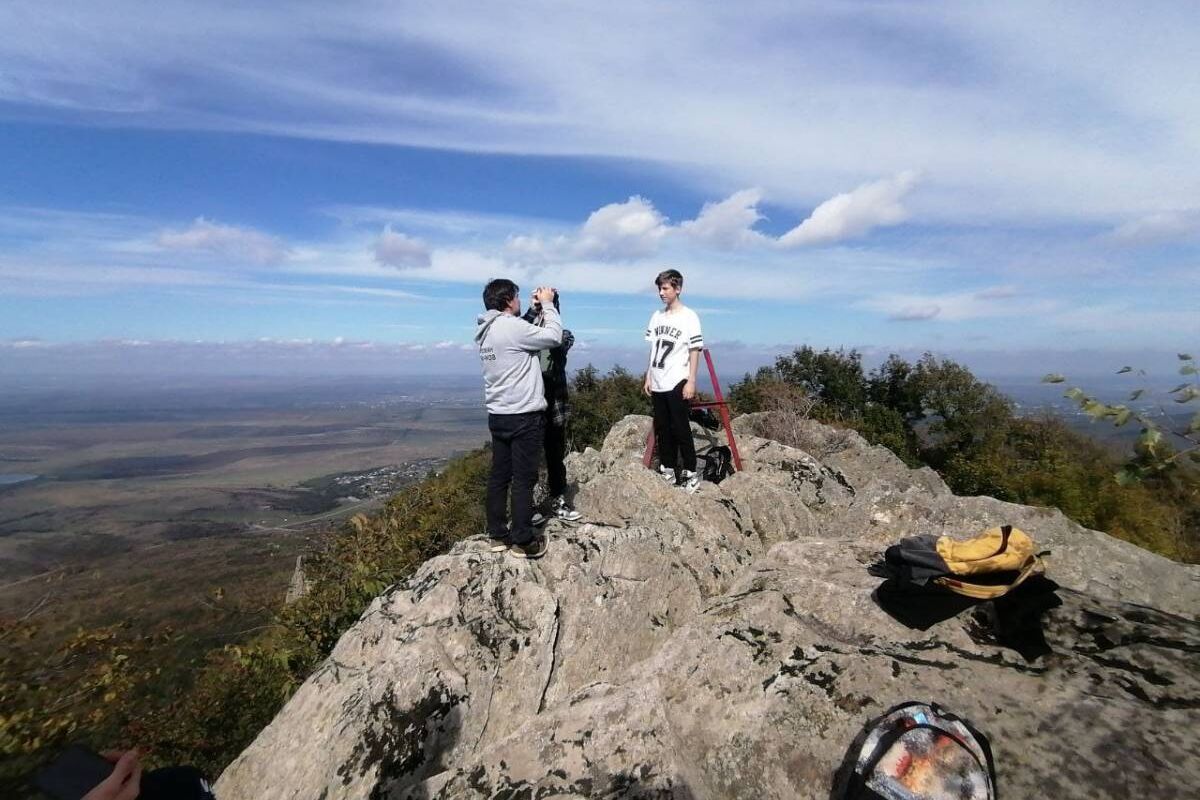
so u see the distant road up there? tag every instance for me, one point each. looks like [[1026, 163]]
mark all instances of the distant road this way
[[297, 526]]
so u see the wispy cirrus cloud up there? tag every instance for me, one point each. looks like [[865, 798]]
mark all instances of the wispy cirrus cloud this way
[[1158, 228], [997, 293], [945, 90], [997, 301], [1125, 322], [915, 312], [229, 241]]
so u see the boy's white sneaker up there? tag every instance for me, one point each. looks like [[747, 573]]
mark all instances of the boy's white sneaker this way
[[666, 473], [690, 481]]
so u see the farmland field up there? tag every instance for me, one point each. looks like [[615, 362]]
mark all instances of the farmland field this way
[[143, 503]]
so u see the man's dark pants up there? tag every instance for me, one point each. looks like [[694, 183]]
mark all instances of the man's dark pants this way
[[516, 450]]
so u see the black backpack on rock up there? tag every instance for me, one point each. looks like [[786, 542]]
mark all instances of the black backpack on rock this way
[[717, 463], [705, 418]]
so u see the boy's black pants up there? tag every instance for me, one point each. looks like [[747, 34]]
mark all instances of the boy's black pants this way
[[673, 430], [556, 451], [516, 450]]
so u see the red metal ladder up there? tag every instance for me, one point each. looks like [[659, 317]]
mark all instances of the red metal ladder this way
[[718, 403]]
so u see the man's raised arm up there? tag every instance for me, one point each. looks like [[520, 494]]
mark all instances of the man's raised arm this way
[[550, 333]]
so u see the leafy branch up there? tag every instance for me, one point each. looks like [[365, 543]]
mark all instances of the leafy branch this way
[[1152, 452]]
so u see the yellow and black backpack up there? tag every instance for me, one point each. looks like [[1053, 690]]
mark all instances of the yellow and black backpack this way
[[983, 567]]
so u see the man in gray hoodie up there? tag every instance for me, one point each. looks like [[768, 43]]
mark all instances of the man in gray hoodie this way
[[516, 402]]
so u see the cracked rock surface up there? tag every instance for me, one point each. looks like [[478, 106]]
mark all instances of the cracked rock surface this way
[[726, 645]]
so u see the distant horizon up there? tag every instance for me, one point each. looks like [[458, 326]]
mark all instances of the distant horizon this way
[[1160, 370], [458, 356]]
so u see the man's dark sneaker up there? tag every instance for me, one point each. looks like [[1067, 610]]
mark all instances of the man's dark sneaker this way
[[560, 508], [498, 543], [534, 548], [538, 519]]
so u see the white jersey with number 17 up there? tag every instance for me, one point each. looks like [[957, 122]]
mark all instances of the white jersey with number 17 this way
[[672, 335]]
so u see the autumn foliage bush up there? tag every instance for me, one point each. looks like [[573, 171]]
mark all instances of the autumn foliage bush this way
[[935, 412]]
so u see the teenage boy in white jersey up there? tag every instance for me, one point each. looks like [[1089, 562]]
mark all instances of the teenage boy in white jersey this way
[[675, 345]]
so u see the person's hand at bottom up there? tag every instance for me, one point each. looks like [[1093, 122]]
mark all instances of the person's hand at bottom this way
[[125, 781]]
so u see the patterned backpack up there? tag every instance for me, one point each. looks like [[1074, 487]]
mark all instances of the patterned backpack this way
[[918, 751]]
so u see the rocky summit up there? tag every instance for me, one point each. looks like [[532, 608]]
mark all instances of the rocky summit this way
[[729, 644]]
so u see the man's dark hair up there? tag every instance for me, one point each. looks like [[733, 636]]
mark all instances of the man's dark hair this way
[[498, 294], [671, 276], [556, 308]]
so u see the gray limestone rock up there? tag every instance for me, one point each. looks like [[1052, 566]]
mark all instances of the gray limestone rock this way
[[729, 644], [626, 441], [848, 453], [582, 467]]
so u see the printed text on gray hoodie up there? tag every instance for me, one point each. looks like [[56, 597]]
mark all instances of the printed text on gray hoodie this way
[[508, 348]]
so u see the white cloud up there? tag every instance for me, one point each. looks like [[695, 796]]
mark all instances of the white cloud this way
[[728, 224], [918, 278], [229, 241], [957, 306], [541, 251], [1164, 226], [636, 229], [854, 213], [535, 250], [622, 230], [398, 250]]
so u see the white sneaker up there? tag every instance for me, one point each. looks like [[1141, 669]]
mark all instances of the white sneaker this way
[[666, 473], [690, 481], [563, 510]]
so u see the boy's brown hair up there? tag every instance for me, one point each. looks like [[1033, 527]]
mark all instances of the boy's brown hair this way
[[671, 276]]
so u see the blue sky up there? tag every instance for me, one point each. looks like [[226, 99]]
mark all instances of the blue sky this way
[[326, 187]]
